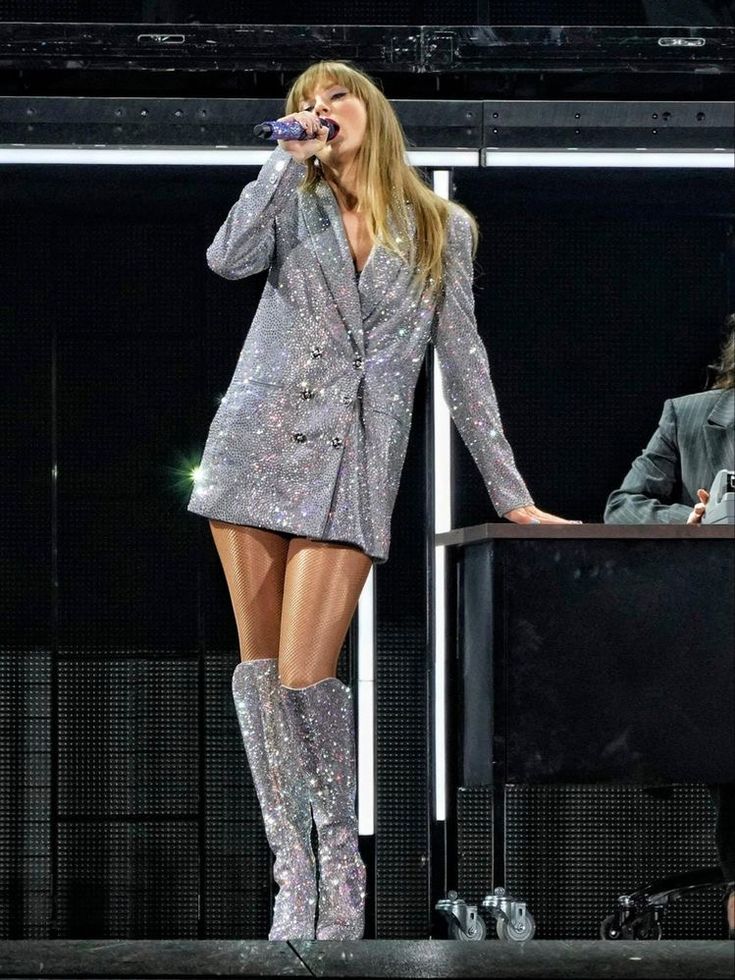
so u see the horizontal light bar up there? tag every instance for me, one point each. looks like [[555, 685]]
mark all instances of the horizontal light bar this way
[[189, 156], [491, 156], [573, 157], [444, 158]]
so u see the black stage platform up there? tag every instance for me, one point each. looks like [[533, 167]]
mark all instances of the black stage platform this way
[[366, 958]]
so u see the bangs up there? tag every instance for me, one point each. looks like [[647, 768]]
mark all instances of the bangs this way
[[322, 74]]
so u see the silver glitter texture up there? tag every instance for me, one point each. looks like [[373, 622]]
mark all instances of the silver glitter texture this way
[[328, 465], [275, 765], [323, 725]]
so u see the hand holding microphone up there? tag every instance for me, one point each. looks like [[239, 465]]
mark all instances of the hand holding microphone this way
[[310, 133]]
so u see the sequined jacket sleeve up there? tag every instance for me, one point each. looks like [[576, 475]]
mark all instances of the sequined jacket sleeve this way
[[245, 243], [468, 388]]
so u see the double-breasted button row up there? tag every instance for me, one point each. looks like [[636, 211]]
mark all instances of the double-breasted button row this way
[[337, 441], [308, 393]]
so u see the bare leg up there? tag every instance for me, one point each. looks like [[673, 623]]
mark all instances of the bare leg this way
[[323, 584], [254, 562]]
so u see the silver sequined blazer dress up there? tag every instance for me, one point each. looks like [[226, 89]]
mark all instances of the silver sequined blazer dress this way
[[311, 435]]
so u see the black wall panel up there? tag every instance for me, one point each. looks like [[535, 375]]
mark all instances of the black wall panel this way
[[403, 800], [236, 892], [374, 12], [572, 850], [123, 880], [128, 738], [25, 793], [700, 13]]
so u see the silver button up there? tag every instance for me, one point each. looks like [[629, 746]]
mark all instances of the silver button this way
[[347, 398], [337, 442], [317, 351], [307, 393], [357, 363], [299, 437]]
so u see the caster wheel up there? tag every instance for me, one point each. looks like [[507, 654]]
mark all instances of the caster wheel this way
[[647, 930], [610, 929], [477, 934], [640, 929], [507, 933]]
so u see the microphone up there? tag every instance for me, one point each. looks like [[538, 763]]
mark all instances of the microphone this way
[[275, 129]]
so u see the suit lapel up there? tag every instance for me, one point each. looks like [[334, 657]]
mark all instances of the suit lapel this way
[[383, 266], [719, 432], [332, 250], [356, 301]]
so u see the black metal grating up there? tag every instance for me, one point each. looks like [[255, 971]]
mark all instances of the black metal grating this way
[[571, 850], [128, 880], [401, 896], [25, 781], [474, 843], [237, 858], [128, 733]]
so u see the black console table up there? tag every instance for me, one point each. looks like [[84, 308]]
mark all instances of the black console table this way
[[589, 653]]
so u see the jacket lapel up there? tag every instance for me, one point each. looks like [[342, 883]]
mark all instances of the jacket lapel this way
[[383, 266], [719, 432], [332, 250], [356, 301]]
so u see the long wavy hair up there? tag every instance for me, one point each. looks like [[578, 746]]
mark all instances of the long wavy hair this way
[[724, 367], [386, 184]]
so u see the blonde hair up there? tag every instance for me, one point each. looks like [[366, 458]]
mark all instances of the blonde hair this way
[[386, 183]]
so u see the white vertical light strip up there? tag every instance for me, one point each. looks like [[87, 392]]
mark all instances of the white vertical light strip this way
[[441, 466], [366, 707]]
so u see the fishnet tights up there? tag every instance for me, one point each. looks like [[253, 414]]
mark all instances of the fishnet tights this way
[[293, 598]]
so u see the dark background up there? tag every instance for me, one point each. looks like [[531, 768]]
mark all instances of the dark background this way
[[702, 13], [126, 807], [599, 294]]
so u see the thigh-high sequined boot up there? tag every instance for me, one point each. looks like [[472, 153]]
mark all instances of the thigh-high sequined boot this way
[[283, 795], [322, 720]]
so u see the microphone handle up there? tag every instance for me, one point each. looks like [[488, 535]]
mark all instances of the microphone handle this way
[[275, 129]]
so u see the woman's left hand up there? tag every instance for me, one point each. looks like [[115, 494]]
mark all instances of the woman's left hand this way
[[532, 515]]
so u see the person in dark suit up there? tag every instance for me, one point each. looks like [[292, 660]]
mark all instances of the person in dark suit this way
[[366, 267], [669, 484]]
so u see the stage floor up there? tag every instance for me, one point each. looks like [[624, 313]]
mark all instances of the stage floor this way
[[366, 958]]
